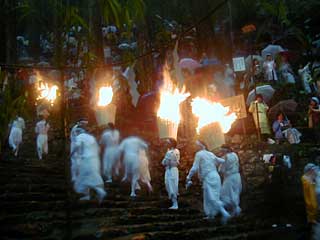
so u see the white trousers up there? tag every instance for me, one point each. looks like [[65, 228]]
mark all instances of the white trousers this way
[[42, 145]]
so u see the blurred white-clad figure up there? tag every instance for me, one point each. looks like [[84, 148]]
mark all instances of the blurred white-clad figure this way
[[42, 128], [205, 164], [229, 81], [88, 172], [231, 186], [15, 137], [171, 178], [136, 163], [111, 157], [81, 124]]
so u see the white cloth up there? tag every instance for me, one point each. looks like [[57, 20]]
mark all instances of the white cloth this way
[[232, 186], [205, 164], [42, 128], [88, 170], [15, 137], [287, 73], [110, 140], [171, 178], [292, 135], [306, 78], [270, 72], [135, 162], [74, 154], [229, 79]]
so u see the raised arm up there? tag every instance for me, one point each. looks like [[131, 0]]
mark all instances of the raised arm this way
[[195, 167]]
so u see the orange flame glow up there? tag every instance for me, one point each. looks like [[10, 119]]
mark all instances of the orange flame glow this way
[[209, 112], [170, 99], [46, 92], [105, 96]]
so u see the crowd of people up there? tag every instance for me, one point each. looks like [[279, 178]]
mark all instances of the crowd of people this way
[[282, 129]]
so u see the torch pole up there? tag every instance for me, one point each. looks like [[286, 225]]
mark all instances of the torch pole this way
[[255, 91]]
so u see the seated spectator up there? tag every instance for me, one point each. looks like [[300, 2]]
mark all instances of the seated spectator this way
[[284, 131], [314, 117]]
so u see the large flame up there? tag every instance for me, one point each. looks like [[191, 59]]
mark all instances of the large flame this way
[[170, 99], [209, 112], [105, 96], [45, 91]]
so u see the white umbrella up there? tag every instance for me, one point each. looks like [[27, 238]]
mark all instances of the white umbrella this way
[[189, 63], [266, 91], [124, 46], [272, 49]]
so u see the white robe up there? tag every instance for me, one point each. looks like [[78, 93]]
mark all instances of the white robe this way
[[88, 171], [270, 71], [75, 156], [135, 162], [232, 186], [229, 79], [171, 178], [306, 78], [110, 139], [205, 164], [42, 128], [15, 137]]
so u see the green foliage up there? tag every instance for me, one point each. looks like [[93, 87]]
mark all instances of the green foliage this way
[[13, 102]]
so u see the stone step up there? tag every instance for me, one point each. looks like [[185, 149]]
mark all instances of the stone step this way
[[29, 206], [214, 234], [36, 230], [105, 231], [33, 180], [133, 211], [46, 215], [31, 196], [33, 187]]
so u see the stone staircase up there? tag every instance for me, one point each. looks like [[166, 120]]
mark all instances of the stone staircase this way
[[36, 203], [33, 195]]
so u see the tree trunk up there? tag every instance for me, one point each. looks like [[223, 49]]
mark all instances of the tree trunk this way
[[95, 25], [10, 23]]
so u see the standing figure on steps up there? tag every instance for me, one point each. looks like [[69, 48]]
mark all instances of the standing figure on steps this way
[[110, 141], [171, 179], [81, 124], [136, 163], [88, 172], [42, 128], [15, 137], [205, 164], [232, 186]]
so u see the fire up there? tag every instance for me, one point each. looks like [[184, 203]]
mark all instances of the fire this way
[[170, 99], [46, 92], [209, 112], [105, 96]]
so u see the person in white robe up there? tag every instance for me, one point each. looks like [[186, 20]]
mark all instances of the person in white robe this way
[[111, 158], [42, 128], [229, 80], [269, 67], [231, 186], [81, 124], [88, 172], [136, 163], [15, 137], [205, 164], [305, 76], [171, 178]]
